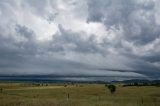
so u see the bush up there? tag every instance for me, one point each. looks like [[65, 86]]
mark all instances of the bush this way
[[112, 88], [1, 90], [106, 85]]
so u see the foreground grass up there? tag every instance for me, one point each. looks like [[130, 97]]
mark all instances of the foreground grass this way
[[18, 94]]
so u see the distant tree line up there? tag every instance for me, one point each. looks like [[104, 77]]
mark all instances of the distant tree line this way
[[142, 84]]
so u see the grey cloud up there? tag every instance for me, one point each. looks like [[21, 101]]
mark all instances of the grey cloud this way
[[37, 6], [16, 48], [72, 52], [25, 32], [51, 17], [44, 8], [138, 22], [136, 19], [28, 57], [67, 39], [153, 58]]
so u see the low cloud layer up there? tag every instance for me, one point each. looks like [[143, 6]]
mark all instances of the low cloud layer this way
[[86, 38]]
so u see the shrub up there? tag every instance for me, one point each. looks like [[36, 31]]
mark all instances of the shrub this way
[[112, 88], [1, 90]]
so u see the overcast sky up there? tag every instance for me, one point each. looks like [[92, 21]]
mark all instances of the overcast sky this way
[[80, 37]]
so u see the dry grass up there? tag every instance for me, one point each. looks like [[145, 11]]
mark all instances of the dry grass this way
[[14, 94]]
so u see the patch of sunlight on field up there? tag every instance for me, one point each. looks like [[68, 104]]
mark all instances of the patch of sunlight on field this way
[[77, 95], [41, 87]]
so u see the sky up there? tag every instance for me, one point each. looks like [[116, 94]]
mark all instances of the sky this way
[[119, 38]]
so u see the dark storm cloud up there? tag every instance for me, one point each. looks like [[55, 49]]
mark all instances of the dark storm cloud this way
[[138, 22], [59, 37], [75, 41], [25, 32], [136, 19], [14, 50], [25, 56]]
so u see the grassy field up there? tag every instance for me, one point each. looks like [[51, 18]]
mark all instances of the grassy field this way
[[25, 94]]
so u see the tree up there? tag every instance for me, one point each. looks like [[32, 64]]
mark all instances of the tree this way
[[112, 88], [1, 90]]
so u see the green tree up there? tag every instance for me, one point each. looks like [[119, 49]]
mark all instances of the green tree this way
[[112, 88], [1, 90]]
